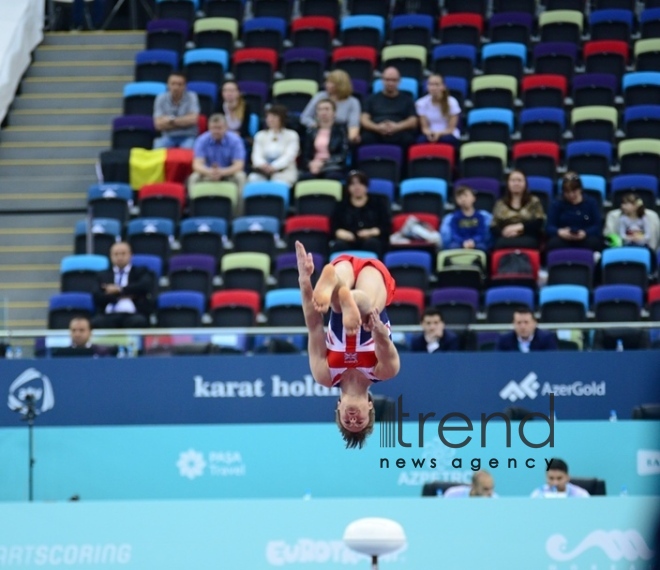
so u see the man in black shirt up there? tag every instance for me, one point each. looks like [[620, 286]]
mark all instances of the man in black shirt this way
[[389, 117]]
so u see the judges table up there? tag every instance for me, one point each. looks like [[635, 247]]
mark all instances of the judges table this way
[[21, 30]]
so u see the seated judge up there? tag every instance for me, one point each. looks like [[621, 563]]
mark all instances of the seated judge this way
[[80, 332], [526, 336], [434, 338], [123, 297]]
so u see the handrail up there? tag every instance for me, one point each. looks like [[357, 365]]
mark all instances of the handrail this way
[[283, 331]]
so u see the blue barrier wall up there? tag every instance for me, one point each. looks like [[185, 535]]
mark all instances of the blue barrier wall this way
[[267, 389], [593, 534], [288, 461]]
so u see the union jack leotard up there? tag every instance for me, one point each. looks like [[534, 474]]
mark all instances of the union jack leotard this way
[[349, 351]]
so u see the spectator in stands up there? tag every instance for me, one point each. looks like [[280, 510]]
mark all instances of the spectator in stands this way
[[518, 217], [438, 113], [326, 145], [574, 220], [633, 224], [235, 109], [483, 485], [360, 221], [339, 90], [219, 155], [468, 227], [526, 336], [175, 114], [557, 483], [275, 150], [389, 117], [434, 338], [80, 331], [123, 296]]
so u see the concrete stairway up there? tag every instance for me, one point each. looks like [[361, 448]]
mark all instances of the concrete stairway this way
[[58, 125]]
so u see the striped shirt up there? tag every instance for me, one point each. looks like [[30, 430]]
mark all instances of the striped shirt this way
[[351, 351]]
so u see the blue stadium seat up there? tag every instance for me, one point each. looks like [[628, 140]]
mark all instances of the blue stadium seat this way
[[266, 199], [152, 262], [180, 309], [490, 124], [423, 195], [454, 60], [283, 307], [644, 185], [105, 232], [354, 253], [139, 97], [64, 306], [589, 157], [155, 64], [501, 302], [542, 124], [382, 187], [408, 84], [410, 268], [504, 58]]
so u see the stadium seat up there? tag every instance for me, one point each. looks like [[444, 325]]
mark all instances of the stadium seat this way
[[213, 199], [501, 302], [542, 124], [133, 131], [304, 63], [110, 201], [594, 122], [542, 188], [272, 9], [412, 29], [465, 6], [311, 230], [207, 95], [461, 28], [318, 197], [511, 26], [409, 268], [162, 200], [151, 236], [155, 65], [362, 254], [458, 88], [380, 187], [561, 26], [216, 33], [564, 303], [283, 308], [407, 306], [380, 161], [410, 60], [423, 195], [268, 198], [247, 270], [294, 94], [313, 32], [504, 58], [462, 268], [494, 91], [589, 157], [362, 30], [647, 55], [649, 23], [192, 272], [254, 64], [255, 93], [168, 34], [640, 156], [458, 305], [179, 309], [544, 90], [611, 24], [65, 306], [571, 266], [139, 97], [177, 9], [486, 191], [206, 64], [626, 265], [618, 303], [104, 233], [431, 161], [255, 233], [225, 9], [594, 186], [490, 125], [536, 158], [642, 122], [556, 58], [484, 159], [594, 89], [522, 279], [606, 56], [235, 308], [329, 8], [264, 32], [150, 262], [641, 88], [454, 60], [204, 235], [357, 61], [286, 269], [78, 273], [644, 185], [527, 7]]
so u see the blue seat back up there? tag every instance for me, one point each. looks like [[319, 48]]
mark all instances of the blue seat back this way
[[82, 301], [540, 184], [354, 253], [151, 226], [202, 225], [641, 112], [594, 183], [206, 55], [382, 187], [630, 293], [205, 88], [167, 56], [421, 259], [611, 15], [110, 190], [454, 51], [363, 21], [265, 23], [255, 224], [279, 189], [577, 148], [183, 299], [139, 88], [434, 185], [459, 84], [636, 78], [630, 254], [502, 49], [513, 294], [412, 21], [408, 84], [543, 114], [279, 297], [491, 115], [631, 181], [553, 293], [152, 262], [99, 226], [84, 262]]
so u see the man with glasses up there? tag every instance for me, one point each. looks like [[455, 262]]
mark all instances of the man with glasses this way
[[389, 117]]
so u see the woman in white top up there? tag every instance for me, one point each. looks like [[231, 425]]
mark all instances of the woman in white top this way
[[338, 89], [275, 150], [439, 113]]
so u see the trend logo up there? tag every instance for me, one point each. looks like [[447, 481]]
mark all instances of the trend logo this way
[[527, 388], [648, 462], [31, 383], [191, 464], [616, 544]]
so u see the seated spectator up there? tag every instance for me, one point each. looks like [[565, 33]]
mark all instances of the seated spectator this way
[[518, 217], [526, 336], [438, 113], [483, 485], [219, 155], [80, 331], [326, 145], [574, 220], [235, 109], [435, 337], [389, 117], [123, 296], [557, 483], [633, 224], [275, 150], [468, 228], [360, 221], [339, 90], [175, 114]]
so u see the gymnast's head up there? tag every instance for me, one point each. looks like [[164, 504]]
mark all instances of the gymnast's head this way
[[355, 417]]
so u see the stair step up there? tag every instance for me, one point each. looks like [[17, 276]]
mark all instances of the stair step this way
[[78, 103], [60, 121], [93, 38], [53, 85], [42, 168], [50, 153], [76, 53], [80, 70]]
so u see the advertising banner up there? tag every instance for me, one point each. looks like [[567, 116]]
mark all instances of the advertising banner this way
[[279, 388], [511, 534]]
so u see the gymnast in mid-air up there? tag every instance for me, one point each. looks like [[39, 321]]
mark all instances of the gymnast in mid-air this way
[[357, 349]]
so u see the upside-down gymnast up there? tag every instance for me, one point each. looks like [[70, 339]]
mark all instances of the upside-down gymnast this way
[[357, 349]]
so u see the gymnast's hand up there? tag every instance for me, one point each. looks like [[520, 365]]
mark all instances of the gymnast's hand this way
[[375, 325], [305, 262]]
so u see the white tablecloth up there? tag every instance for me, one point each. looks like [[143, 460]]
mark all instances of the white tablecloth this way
[[21, 30]]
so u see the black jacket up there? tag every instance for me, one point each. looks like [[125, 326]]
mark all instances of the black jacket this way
[[338, 147], [139, 288], [448, 342]]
